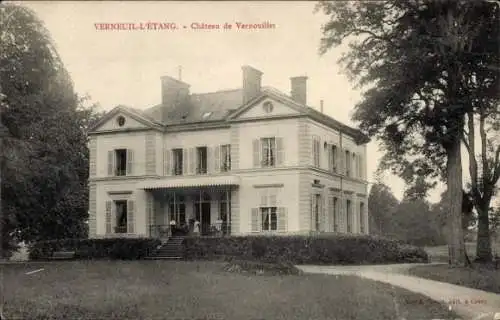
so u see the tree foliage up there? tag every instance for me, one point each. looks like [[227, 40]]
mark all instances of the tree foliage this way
[[382, 205], [44, 159], [417, 59]]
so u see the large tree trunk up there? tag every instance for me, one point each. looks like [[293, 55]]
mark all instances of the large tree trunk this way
[[456, 242], [483, 249]]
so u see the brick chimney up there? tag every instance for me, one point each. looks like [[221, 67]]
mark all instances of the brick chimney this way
[[251, 83], [174, 97], [299, 89]]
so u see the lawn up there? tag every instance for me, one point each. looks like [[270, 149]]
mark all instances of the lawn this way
[[440, 253], [479, 277], [197, 290]]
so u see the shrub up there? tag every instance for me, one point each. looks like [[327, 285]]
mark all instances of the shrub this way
[[322, 249], [108, 248], [261, 268]]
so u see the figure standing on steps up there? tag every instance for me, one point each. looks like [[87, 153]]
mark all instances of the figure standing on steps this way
[[196, 229], [173, 223]]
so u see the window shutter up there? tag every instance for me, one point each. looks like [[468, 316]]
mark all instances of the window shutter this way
[[314, 150], [322, 212], [332, 210], [256, 153], [130, 161], [280, 152], [255, 225], [167, 162], [330, 157], [216, 159], [130, 217], [282, 220], [311, 205], [111, 162], [354, 165], [360, 167], [185, 161], [192, 161], [340, 162], [108, 217]]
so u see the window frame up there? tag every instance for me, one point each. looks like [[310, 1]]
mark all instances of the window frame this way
[[178, 167], [268, 159], [120, 162]]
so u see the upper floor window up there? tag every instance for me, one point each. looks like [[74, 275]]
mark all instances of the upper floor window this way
[[201, 160], [120, 162], [347, 163], [332, 157], [316, 151], [225, 158], [354, 165], [178, 161], [268, 152], [360, 167]]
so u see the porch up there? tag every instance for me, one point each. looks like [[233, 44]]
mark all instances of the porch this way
[[190, 206]]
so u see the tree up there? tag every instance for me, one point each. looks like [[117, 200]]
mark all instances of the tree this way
[[416, 58], [381, 207], [44, 159]]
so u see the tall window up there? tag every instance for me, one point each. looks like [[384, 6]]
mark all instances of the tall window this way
[[121, 162], [178, 161], [316, 151], [268, 152], [349, 215], [316, 209], [225, 158], [178, 209], [347, 163], [354, 165], [335, 214], [121, 216], [201, 160], [332, 160], [361, 217], [269, 218]]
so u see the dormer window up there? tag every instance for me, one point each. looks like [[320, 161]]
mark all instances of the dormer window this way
[[120, 120], [268, 106]]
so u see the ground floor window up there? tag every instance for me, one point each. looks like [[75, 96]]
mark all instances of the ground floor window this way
[[269, 218], [121, 216], [316, 210], [349, 215], [361, 217]]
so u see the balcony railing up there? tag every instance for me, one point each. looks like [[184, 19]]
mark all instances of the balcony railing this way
[[121, 229]]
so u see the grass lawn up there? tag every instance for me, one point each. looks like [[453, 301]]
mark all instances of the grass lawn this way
[[478, 277], [440, 253], [197, 290]]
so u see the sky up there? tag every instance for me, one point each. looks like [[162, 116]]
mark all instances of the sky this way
[[124, 66]]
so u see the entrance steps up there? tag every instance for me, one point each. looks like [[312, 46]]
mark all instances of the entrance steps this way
[[173, 248]]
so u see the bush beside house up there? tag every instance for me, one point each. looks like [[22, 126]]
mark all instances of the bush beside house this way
[[327, 249], [108, 248]]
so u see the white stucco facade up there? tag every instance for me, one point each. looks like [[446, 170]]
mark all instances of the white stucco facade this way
[[291, 193]]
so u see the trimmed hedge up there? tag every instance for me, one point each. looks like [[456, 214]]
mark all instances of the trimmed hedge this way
[[108, 248], [322, 249]]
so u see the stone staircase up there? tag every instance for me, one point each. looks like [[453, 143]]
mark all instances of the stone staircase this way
[[173, 248]]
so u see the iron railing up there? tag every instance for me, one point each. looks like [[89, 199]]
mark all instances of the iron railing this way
[[213, 230]]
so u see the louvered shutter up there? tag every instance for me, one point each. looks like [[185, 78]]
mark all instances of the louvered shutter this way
[[216, 159], [108, 217], [130, 216], [185, 161], [331, 209], [360, 167], [255, 225], [192, 161], [311, 205], [323, 218], [256, 153], [280, 152], [167, 162], [130, 162], [282, 220], [111, 163]]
